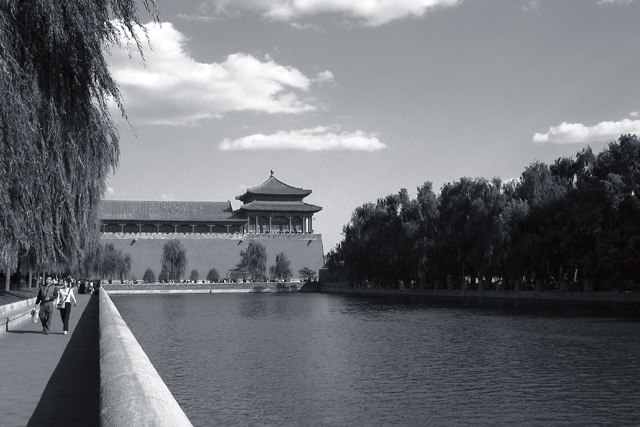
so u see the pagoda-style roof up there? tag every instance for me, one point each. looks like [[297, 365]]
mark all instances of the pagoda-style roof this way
[[288, 206], [273, 188], [166, 211]]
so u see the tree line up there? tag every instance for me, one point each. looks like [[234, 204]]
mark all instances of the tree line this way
[[574, 221], [252, 266]]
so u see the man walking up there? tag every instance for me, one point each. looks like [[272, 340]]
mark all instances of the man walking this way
[[46, 296]]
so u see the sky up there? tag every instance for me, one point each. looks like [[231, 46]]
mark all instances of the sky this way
[[357, 99]]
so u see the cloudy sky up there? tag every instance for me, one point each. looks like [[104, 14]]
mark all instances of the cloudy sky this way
[[356, 99]]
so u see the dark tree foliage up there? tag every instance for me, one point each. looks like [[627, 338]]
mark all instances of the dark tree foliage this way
[[575, 221], [306, 273], [213, 275], [382, 241], [104, 261], [173, 260], [57, 141], [282, 267], [253, 261], [149, 276], [164, 275], [113, 263], [194, 276]]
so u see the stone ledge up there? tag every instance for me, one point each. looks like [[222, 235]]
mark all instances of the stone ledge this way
[[18, 305], [15, 313], [131, 390]]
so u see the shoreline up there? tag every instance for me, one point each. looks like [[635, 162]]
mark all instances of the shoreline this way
[[200, 288], [616, 298], [622, 299]]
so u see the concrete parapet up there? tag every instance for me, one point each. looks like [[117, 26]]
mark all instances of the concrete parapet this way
[[18, 305], [131, 390], [15, 313]]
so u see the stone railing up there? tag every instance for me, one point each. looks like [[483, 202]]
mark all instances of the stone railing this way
[[223, 236], [131, 391], [14, 313]]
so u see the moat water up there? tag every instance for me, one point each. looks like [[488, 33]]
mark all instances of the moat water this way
[[331, 360]]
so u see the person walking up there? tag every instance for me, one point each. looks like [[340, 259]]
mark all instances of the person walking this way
[[47, 294], [65, 298]]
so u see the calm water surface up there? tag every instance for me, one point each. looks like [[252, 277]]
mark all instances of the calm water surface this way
[[327, 360]]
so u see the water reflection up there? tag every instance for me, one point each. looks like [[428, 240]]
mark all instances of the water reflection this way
[[252, 307], [300, 359]]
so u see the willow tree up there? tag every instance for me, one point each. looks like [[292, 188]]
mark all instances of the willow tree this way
[[57, 140], [282, 267], [174, 260], [254, 261]]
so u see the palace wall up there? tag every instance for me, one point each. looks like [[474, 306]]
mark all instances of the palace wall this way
[[219, 251]]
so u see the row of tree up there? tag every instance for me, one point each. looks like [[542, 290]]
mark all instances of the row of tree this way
[[107, 262], [575, 220], [150, 277], [252, 265]]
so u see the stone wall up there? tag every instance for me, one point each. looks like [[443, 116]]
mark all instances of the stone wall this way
[[219, 251]]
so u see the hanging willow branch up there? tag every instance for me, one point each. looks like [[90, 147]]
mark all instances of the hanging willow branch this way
[[57, 140]]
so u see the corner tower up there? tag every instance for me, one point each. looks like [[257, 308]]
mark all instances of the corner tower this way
[[275, 207]]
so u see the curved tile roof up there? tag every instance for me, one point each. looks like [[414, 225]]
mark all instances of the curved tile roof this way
[[137, 210], [273, 186], [264, 206]]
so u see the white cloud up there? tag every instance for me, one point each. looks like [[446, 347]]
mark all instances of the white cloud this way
[[324, 77], [317, 139], [370, 12], [605, 2], [110, 191], [172, 88], [167, 197], [573, 133], [634, 114], [531, 5]]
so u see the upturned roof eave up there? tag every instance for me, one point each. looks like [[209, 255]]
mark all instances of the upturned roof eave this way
[[264, 189], [306, 208]]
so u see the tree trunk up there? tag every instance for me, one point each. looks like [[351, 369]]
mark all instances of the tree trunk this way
[[7, 278], [30, 278]]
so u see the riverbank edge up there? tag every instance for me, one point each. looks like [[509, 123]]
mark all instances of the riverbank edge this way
[[131, 390], [623, 298], [201, 288]]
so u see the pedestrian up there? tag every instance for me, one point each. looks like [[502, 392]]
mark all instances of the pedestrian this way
[[65, 298], [47, 294]]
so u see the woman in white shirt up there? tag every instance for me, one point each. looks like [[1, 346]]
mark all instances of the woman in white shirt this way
[[65, 298]]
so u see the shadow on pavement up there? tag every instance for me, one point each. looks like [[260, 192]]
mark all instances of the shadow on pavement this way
[[72, 395], [24, 332]]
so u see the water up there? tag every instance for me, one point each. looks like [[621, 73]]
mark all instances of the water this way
[[327, 360]]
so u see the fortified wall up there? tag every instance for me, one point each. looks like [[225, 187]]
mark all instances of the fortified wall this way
[[219, 251], [214, 233]]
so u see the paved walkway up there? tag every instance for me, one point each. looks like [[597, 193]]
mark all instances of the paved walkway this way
[[52, 380]]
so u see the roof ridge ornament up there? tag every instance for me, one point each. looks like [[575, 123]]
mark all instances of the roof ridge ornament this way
[[272, 172]]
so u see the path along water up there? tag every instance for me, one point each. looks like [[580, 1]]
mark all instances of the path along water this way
[[331, 360], [52, 380]]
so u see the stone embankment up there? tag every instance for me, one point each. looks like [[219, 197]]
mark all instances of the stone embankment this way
[[200, 288], [131, 390], [528, 295]]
